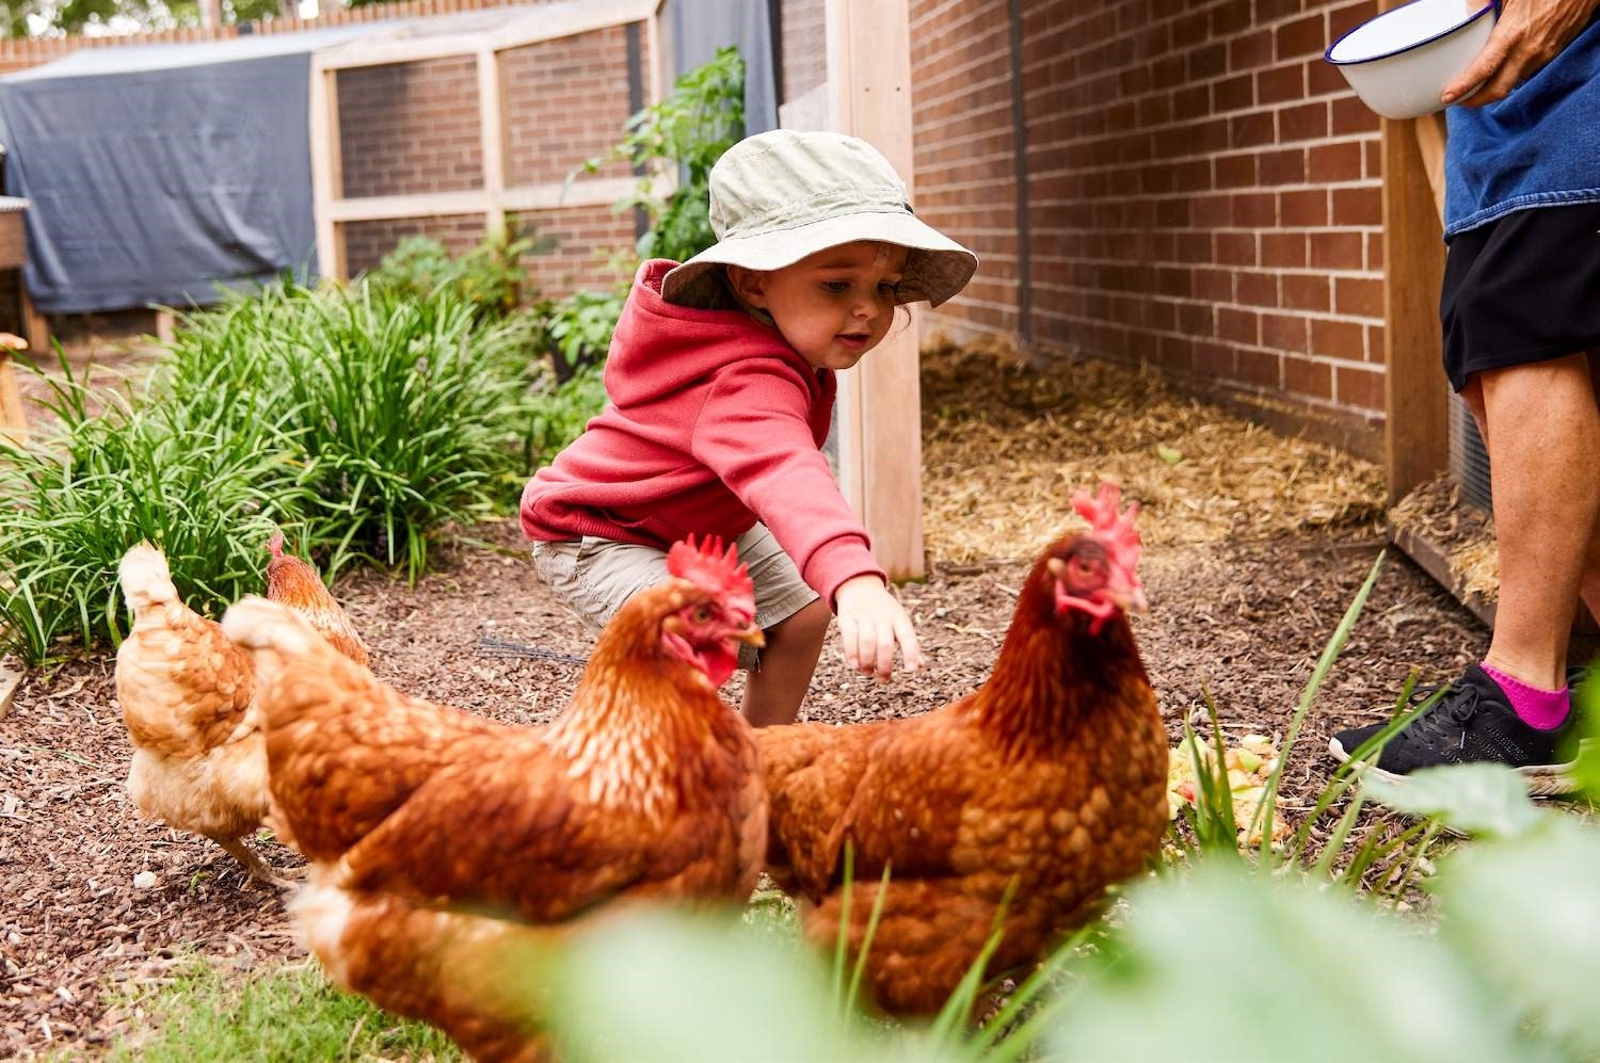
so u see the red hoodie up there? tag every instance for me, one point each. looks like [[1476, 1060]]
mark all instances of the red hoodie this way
[[713, 423]]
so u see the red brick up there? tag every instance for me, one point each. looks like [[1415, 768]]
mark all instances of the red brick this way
[[1306, 291], [1336, 250], [1239, 326], [1358, 388], [1332, 338], [1261, 368], [1283, 250], [1330, 163], [1357, 206], [1304, 377], [1358, 296], [1256, 289]]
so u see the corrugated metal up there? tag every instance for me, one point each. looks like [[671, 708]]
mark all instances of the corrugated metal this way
[[1469, 461]]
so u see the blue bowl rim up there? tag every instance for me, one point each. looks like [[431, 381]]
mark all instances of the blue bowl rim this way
[[1327, 55]]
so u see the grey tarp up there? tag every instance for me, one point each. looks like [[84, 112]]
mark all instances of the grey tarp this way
[[157, 172], [700, 27]]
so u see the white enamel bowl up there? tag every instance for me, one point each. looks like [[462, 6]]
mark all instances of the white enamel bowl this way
[[1400, 61]]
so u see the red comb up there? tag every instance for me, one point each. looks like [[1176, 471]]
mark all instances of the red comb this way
[[275, 544], [714, 569], [1117, 531]]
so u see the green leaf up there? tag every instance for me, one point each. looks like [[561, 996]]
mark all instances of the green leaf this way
[[665, 987], [1168, 454], [1525, 914], [1228, 964], [1487, 799]]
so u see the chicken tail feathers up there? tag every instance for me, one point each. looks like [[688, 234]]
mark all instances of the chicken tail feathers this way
[[145, 578], [257, 624]]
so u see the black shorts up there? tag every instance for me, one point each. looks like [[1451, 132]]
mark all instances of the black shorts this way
[[1523, 288]]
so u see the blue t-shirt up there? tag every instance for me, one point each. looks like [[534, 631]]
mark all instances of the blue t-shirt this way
[[1538, 147]]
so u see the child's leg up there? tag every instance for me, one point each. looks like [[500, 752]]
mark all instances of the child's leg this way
[[775, 688], [795, 621]]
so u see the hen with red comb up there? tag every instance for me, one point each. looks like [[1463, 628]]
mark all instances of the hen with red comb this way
[[1047, 781], [442, 844]]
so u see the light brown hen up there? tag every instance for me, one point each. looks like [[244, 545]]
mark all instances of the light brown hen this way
[[199, 763]]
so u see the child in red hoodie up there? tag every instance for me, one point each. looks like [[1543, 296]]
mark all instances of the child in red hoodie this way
[[721, 380]]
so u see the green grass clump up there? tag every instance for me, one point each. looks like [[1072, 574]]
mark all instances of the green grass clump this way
[[289, 1014], [362, 422], [207, 485], [405, 414]]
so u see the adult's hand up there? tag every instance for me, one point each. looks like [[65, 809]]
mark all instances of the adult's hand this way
[[1528, 35]]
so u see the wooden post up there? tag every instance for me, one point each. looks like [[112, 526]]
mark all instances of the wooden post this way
[[13, 422], [327, 181], [492, 134], [880, 406], [1416, 396], [34, 325]]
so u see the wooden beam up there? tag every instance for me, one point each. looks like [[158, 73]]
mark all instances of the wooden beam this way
[[327, 181], [869, 77], [36, 330], [655, 61], [550, 196], [1430, 143], [535, 25], [492, 134], [1416, 396], [9, 683], [13, 421]]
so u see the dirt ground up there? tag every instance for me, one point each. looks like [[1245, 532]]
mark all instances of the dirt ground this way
[[96, 901]]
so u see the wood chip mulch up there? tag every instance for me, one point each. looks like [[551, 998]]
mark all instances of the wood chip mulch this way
[[1255, 547]]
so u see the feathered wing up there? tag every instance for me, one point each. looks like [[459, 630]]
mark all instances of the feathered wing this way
[[812, 772], [344, 750]]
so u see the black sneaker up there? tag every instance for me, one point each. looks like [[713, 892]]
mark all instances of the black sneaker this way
[[1472, 723]]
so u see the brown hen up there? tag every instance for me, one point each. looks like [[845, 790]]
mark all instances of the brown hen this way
[[199, 763], [297, 585], [1048, 781], [437, 852]]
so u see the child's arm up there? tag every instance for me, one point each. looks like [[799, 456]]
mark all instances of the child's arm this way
[[871, 621]]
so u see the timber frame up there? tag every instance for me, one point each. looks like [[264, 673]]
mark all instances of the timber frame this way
[[1416, 401], [493, 199]]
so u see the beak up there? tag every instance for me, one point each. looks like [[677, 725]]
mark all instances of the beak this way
[[751, 635], [1132, 601]]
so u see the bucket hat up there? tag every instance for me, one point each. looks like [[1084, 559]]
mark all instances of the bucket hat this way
[[780, 196]]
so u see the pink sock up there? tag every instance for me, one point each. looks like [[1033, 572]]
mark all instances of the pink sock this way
[[1543, 710]]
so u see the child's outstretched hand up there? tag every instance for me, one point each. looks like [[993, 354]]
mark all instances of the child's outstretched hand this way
[[871, 621]]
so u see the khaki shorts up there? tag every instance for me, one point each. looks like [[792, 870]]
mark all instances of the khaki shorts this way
[[595, 576]]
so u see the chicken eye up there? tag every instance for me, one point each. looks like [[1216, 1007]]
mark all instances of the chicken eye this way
[[702, 615]]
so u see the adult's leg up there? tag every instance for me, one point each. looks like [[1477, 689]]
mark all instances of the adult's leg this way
[[1541, 426], [1590, 586]]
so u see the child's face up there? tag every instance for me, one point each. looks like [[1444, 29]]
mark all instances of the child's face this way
[[834, 306]]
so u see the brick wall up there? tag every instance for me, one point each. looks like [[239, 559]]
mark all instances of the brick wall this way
[[966, 170], [408, 128], [568, 100], [805, 45], [366, 242], [1203, 191], [585, 237]]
